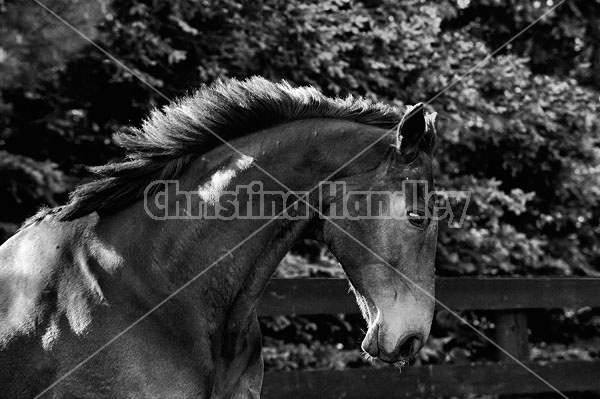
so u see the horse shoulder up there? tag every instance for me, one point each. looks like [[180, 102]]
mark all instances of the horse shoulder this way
[[44, 275]]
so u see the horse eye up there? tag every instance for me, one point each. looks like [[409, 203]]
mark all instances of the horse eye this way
[[416, 218]]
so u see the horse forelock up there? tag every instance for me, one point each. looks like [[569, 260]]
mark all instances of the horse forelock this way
[[171, 137]]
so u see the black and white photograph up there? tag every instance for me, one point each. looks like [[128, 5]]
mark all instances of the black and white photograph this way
[[308, 199]]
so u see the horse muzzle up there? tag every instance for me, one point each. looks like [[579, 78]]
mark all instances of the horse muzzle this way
[[407, 347]]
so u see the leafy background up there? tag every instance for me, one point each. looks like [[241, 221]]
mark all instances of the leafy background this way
[[521, 132]]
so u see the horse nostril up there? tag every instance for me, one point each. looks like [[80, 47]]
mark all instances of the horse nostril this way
[[411, 345]]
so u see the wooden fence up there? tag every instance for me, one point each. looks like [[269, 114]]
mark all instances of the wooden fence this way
[[508, 298]]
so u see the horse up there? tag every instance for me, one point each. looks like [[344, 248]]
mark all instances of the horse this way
[[124, 293]]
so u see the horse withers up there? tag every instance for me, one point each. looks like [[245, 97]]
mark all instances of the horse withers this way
[[126, 291]]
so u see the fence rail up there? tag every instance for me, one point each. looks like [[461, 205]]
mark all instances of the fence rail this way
[[507, 297]]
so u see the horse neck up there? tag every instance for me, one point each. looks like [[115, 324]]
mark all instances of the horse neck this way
[[166, 254]]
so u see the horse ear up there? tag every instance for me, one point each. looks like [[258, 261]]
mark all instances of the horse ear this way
[[417, 130], [429, 142], [412, 127], [430, 120]]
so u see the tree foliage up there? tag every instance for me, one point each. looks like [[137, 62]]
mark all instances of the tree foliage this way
[[520, 131]]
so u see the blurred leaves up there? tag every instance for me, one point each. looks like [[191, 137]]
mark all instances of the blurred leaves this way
[[29, 183]]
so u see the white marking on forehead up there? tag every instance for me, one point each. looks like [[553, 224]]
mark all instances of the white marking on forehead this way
[[211, 190]]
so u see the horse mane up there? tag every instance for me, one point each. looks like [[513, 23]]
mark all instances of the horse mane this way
[[171, 137]]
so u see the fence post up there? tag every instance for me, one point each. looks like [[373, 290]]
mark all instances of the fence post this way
[[512, 334]]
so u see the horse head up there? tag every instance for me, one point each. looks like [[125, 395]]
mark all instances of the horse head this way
[[386, 241]]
